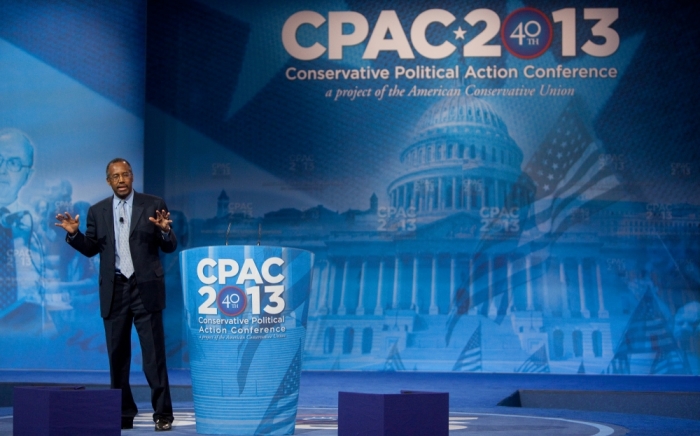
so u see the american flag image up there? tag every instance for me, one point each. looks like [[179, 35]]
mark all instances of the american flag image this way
[[537, 362], [393, 361], [470, 357], [570, 173], [572, 181], [280, 416], [648, 331], [671, 362]]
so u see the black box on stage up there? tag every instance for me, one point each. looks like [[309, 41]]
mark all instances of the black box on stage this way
[[66, 411], [405, 414]]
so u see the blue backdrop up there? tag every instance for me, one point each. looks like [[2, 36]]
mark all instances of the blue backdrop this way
[[495, 187], [72, 92]]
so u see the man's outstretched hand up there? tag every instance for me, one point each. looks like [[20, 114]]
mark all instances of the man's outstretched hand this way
[[68, 223], [162, 220]]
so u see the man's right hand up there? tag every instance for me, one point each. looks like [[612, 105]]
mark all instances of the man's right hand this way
[[68, 223]]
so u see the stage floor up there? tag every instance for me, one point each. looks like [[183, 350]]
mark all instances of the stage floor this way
[[474, 400], [324, 422]]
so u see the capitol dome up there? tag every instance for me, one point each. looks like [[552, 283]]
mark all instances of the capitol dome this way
[[460, 158], [453, 113]]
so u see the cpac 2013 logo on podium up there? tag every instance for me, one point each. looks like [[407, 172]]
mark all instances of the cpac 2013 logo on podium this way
[[231, 300], [246, 318]]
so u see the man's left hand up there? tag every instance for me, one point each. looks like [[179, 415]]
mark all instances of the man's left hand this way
[[162, 220]]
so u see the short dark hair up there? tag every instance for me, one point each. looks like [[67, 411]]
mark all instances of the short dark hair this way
[[115, 160]]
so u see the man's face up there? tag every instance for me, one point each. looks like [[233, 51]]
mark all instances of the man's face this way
[[120, 178], [687, 322], [15, 168]]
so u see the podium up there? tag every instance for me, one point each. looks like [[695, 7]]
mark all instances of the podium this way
[[246, 310]]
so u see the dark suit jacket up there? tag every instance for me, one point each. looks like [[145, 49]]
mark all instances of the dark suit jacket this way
[[145, 239]]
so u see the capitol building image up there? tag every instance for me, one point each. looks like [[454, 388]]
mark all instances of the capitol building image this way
[[457, 272]]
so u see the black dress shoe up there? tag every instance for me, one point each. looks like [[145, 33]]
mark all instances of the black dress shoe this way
[[163, 425], [127, 423]]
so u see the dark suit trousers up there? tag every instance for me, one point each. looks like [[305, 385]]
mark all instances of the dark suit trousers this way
[[127, 308]]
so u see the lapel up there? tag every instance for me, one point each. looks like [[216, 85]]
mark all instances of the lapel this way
[[108, 213], [137, 210]]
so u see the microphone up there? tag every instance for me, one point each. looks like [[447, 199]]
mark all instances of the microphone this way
[[7, 219]]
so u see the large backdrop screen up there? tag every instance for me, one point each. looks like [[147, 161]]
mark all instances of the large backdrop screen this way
[[487, 186], [491, 186]]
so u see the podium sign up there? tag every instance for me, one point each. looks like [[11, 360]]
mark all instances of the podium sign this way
[[246, 309]]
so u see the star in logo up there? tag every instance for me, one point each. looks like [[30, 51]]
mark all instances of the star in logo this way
[[459, 33]]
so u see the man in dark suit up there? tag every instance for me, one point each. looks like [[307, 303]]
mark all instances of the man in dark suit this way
[[127, 230]]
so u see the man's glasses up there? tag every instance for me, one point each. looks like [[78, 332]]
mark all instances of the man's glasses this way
[[116, 177], [13, 164]]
